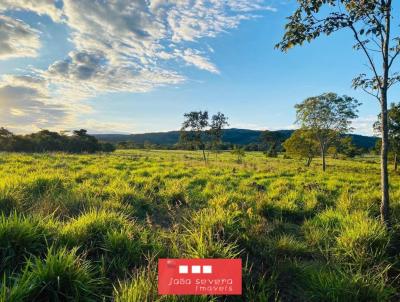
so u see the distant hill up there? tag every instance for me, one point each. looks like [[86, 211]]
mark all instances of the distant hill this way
[[232, 136]]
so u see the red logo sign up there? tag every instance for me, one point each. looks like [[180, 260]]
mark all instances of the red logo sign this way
[[200, 276]]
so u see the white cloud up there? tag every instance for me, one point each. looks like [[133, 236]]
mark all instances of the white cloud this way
[[100, 127], [130, 45], [95, 75], [364, 125], [17, 39], [248, 6], [124, 45], [25, 105], [193, 57], [41, 7]]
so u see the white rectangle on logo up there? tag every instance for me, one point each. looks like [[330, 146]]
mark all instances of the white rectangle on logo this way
[[207, 269], [196, 269], [183, 269]]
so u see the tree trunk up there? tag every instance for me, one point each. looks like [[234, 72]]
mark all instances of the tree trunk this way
[[308, 163], [384, 161], [204, 156], [395, 162], [384, 127], [323, 159]]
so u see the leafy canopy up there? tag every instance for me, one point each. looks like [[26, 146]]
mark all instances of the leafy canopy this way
[[327, 112]]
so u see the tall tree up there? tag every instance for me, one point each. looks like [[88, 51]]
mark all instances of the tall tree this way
[[326, 116], [393, 130], [370, 22], [194, 128], [218, 122]]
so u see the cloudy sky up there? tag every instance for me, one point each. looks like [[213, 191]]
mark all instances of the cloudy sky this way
[[131, 66]]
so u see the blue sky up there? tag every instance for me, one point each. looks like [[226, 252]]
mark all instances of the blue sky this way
[[152, 75]]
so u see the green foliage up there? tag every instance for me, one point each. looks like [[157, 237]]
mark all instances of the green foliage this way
[[218, 122], [302, 144], [393, 130], [272, 141], [326, 117], [47, 141], [193, 131]]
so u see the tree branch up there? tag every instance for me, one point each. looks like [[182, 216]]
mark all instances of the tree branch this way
[[371, 62]]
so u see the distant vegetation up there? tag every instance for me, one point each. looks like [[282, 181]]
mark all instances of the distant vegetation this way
[[251, 140], [46, 141]]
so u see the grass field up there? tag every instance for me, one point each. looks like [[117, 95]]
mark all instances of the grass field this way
[[91, 227]]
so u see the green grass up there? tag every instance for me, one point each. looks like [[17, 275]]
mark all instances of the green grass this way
[[91, 227]]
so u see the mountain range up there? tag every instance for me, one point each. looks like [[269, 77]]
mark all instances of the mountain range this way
[[233, 136]]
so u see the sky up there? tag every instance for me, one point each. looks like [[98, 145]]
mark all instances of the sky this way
[[134, 66]]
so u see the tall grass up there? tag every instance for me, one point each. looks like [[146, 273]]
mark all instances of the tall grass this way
[[20, 238], [91, 227], [61, 276]]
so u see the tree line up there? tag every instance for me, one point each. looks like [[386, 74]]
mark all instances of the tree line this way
[[47, 141]]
